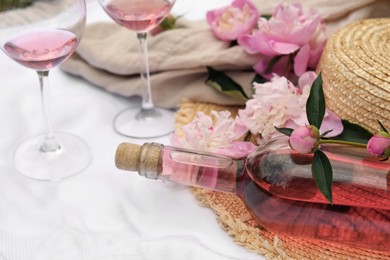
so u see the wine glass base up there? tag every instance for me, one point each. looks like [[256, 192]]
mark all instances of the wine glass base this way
[[144, 123], [71, 158]]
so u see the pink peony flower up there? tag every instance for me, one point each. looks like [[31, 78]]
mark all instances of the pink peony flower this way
[[233, 21], [288, 31], [379, 145], [218, 135], [304, 139], [279, 103], [272, 104]]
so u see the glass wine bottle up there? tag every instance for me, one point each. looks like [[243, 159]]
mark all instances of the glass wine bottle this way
[[277, 187]]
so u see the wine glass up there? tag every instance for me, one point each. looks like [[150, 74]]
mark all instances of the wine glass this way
[[141, 16], [41, 36]]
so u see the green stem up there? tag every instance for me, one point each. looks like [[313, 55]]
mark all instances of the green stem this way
[[329, 141]]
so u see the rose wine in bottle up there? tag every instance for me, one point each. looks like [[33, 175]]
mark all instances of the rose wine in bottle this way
[[277, 187]]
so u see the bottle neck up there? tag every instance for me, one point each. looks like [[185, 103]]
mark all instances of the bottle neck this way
[[188, 167], [197, 169]]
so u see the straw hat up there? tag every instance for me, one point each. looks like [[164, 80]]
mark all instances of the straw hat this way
[[355, 66]]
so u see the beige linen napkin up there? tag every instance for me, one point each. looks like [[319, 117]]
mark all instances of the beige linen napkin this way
[[108, 55]]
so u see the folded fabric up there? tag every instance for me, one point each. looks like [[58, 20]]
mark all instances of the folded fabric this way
[[108, 55]]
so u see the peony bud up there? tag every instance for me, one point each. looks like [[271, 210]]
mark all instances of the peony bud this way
[[305, 139], [379, 145]]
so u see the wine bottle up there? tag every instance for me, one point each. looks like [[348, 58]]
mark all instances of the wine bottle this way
[[276, 185]]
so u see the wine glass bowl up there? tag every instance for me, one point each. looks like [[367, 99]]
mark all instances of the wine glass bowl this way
[[40, 37], [27, 49], [141, 16], [138, 16]]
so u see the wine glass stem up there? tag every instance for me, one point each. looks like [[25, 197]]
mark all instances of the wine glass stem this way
[[147, 100], [50, 143]]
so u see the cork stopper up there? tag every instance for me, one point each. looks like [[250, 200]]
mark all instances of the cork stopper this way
[[145, 159], [127, 156]]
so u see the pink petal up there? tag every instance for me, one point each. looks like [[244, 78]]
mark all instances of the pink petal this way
[[261, 66], [315, 54], [239, 3], [283, 47], [258, 42], [300, 120], [248, 44], [306, 30], [301, 145], [210, 17], [331, 121], [301, 60], [240, 127], [307, 79]]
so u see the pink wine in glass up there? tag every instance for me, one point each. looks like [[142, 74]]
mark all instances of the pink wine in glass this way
[[41, 50], [138, 15]]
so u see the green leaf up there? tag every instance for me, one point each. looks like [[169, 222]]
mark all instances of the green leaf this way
[[285, 131], [321, 170], [353, 133], [382, 126], [220, 81], [259, 79], [315, 105], [168, 23]]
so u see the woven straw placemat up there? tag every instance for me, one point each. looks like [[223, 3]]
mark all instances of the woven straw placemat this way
[[234, 218]]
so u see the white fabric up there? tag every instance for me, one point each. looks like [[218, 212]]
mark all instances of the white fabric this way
[[104, 213]]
